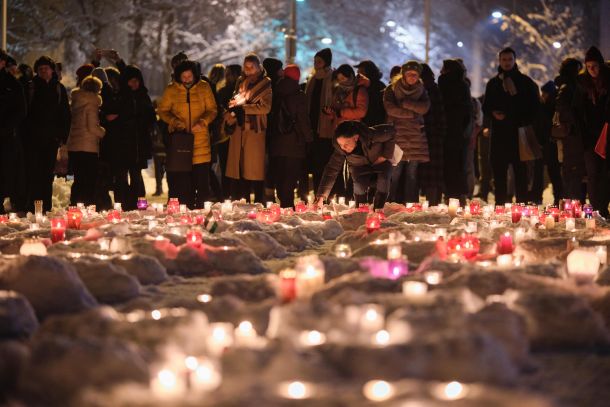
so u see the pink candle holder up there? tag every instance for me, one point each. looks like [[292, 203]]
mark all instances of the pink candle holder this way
[[194, 238], [505, 245], [373, 222]]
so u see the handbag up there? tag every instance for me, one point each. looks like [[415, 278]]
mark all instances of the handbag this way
[[397, 156], [61, 161], [559, 131], [529, 149], [602, 142], [179, 153]]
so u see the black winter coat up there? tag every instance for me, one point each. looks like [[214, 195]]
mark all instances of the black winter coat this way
[[48, 119], [593, 109], [520, 111], [375, 113], [457, 105], [290, 99], [571, 145], [431, 173], [375, 141], [128, 140]]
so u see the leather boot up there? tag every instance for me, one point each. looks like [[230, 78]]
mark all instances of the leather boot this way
[[379, 201]]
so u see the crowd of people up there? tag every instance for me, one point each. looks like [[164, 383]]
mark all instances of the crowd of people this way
[[256, 129]]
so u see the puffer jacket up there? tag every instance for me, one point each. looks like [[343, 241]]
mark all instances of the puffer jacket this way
[[345, 107], [174, 110], [406, 107], [377, 141], [85, 129]]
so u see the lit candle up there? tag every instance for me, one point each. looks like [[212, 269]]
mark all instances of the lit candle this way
[[397, 268], [58, 230], [590, 223], [394, 251], [300, 207], [311, 338], [516, 213], [173, 206], [475, 207], [194, 238], [519, 235], [220, 337], [207, 205], [351, 204], [450, 391], [505, 245], [167, 383], [142, 204], [38, 205], [549, 222], [454, 204], [583, 265], [33, 247], [373, 222], [372, 318], [245, 334], [425, 205], [310, 276], [433, 277], [505, 260], [205, 377], [75, 217], [588, 210], [381, 338], [378, 390], [343, 250], [296, 390], [414, 289], [341, 200], [287, 285], [570, 224], [114, 216], [467, 214]]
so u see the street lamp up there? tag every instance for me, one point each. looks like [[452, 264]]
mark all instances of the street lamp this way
[[326, 41], [557, 44], [460, 44], [290, 37], [497, 14]]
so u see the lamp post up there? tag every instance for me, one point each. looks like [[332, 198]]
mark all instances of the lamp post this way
[[291, 35], [4, 22], [427, 27]]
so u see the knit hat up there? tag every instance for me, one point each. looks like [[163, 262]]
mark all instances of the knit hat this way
[[100, 74], [272, 65], [345, 70], [594, 54], [82, 71], [183, 67], [327, 55], [178, 58], [411, 66], [132, 72], [44, 60], [293, 72]]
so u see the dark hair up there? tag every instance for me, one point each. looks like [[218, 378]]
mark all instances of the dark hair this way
[[178, 58], [112, 73], [26, 71], [395, 71], [370, 70], [349, 129], [252, 57], [345, 70], [217, 73], [234, 70], [508, 50], [570, 67], [44, 60], [91, 84]]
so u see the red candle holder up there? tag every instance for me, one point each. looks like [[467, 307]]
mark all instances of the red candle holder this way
[[300, 207], [75, 217], [499, 210], [364, 208], [58, 230], [327, 216], [466, 246], [114, 216], [505, 245], [199, 218], [554, 212], [516, 213], [265, 216], [287, 286], [576, 208], [173, 206], [185, 220], [475, 207], [194, 238], [3, 219], [373, 222]]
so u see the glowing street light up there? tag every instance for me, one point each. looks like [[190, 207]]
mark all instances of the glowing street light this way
[[496, 14], [460, 44], [557, 44], [391, 23], [326, 41]]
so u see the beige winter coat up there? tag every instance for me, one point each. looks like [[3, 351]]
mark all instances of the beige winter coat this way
[[85, 129]]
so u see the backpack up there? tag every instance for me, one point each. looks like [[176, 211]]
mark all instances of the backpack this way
[[285, 121]]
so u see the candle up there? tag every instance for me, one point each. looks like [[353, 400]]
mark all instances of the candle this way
[[300, 207], [381, 338], [588, 210], [167, 384], [475, 207], [119, 244], [590, 223], [519, 235], [570, 224], [142, 204], [467, 214], [373, 222], [414, 289], [13, 217], [378, 390], [397, 268], [205, 377], [33, 247], [114, 216], [343, 250], [505, 260], [433, 277], [34, 226], [472, 227], [516, 213], [549, 222], [296, 390], [583, 265], [245, 334], [194, 238], [173, 206], [602, 254], [394, 251], [341, 200], [220, 337], [425, 205], [505, 245], [372, 318], [450, 391], [58, 229], [310, 276], [454, 204], [75, 217], [351, 204], [287, 285], [576, 209], [38, 205], [311, 338]]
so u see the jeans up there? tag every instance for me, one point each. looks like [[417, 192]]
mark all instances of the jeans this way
[[407, 172], [365, 175]]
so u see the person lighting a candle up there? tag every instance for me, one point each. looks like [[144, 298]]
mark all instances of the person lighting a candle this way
[[368, 151]]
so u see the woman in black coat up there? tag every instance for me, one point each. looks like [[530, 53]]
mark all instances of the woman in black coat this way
[[130, 117], [457, 104], [290, 133]]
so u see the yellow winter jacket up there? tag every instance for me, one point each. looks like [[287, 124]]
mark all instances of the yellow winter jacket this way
[[173, 109]]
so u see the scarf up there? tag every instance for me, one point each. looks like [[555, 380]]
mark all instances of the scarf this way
[[507, 82], [342, 90], [251, 90], [403, 91]]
